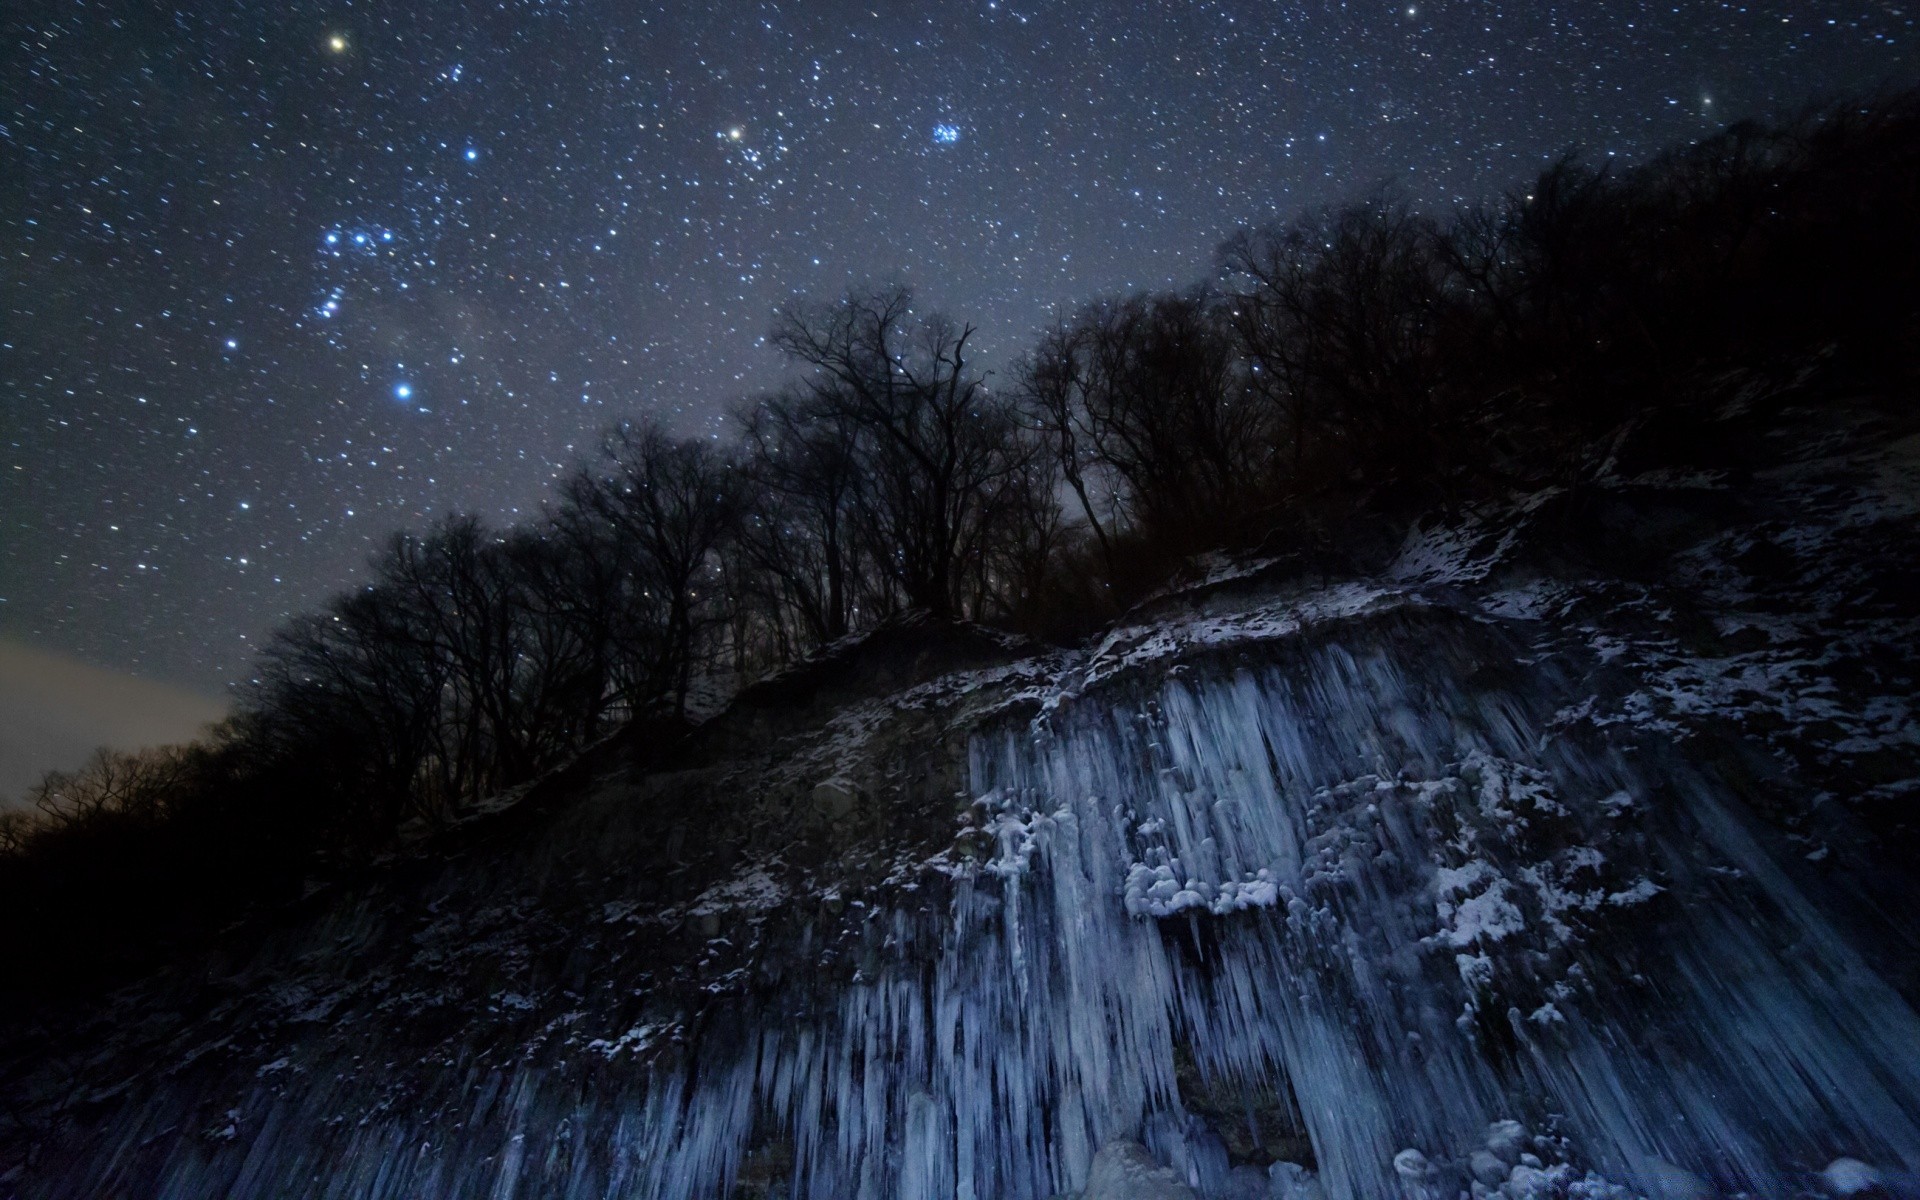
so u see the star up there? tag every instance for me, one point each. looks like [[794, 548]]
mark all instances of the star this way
[[1120, 164]]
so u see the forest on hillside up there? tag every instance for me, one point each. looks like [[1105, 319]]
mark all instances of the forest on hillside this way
[[1341, 376]]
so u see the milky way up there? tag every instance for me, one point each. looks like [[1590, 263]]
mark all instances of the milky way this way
[[281, 279]]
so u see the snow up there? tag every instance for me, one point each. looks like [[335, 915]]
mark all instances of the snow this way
[[1486, 917], [752, 890], [637, 1039]]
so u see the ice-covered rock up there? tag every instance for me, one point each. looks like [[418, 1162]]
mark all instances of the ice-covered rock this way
[[1125, 1171], [1245, 1182], [1669, 1181], [1507, 1141], [1413, 1166], [1487, 1168], [1850, 1177], [1291, 1181]]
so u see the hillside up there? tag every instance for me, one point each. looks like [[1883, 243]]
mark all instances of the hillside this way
[[1559, 849]]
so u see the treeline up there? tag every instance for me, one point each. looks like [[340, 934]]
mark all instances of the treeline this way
[[1366, 358]]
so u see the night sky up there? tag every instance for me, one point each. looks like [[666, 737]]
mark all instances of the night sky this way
[[280, 279]]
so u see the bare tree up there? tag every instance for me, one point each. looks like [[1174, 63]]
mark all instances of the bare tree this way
[[1337, 315], [18, 828], [1051, 387], [1149, 391], [461, 592], [803, 525], [938, 443], [665, 507], [361, 686], [1027, 531], [136, 785]]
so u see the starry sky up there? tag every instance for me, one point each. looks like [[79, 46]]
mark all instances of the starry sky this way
[[280, 279]]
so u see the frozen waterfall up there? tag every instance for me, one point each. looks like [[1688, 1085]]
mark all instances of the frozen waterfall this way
[[1334, 905], [1399, 912]]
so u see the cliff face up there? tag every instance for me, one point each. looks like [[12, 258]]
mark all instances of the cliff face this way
[[1566, 853]]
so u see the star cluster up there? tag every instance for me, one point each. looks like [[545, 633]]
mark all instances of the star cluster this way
[[281, 279]]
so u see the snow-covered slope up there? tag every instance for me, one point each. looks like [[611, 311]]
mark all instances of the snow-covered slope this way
[[1568, 854]]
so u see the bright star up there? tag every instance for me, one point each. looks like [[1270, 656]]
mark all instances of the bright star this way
[[232, 344], [736, 133], [472, 154], [403, 391], [337, 43]]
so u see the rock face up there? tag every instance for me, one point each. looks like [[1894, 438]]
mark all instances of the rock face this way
[[1553, 857]]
